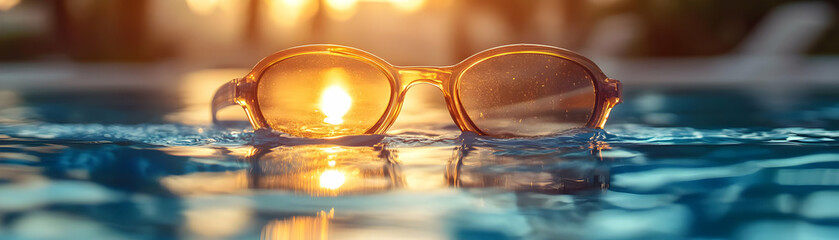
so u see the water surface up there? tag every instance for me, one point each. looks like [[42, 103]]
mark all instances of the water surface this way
[[700, 164]]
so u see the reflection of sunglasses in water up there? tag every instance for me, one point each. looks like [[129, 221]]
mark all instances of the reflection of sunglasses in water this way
[[334, 170], [324, 170], [510, 91]]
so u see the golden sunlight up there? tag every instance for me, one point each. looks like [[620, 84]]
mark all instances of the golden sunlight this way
[[341, 5], [299, 227], [201, 7], [289, 13], [345, 9], [332, 179], [8, 4], [334, 103], [408, 5], [341, 9]]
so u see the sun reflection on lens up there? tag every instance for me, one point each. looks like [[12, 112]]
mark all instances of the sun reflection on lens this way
[[335, 102], [332, 179]]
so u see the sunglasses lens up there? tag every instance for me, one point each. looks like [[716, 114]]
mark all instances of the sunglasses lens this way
[[527, 94], [323, 95]]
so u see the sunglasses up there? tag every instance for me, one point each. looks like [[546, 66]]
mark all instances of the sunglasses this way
[[523, 90]]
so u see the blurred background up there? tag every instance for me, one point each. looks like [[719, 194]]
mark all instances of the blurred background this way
[[729, 126], [777, 48]]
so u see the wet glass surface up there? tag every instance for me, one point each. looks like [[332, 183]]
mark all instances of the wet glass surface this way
[[320, 95], [130, 164], [527, 95]]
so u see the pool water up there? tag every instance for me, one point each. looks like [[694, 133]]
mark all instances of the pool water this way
[[671, 164]]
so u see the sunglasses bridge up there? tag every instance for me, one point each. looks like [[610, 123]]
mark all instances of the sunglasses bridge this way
[[409, 76]]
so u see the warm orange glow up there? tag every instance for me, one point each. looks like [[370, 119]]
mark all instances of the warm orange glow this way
[[334, 103], [341, 5], [325, 170], [8, 4], [333, 149], [341, 9], [289, 13], [332, 179], [408, 5], [344, 9], [299, 227], [201, 7]]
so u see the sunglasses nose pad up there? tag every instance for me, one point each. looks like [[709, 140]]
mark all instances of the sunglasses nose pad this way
[[417, 75], [423, 105]]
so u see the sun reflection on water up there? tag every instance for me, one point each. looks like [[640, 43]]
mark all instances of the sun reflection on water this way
[[299, 227], [332, 179], [324, 170]]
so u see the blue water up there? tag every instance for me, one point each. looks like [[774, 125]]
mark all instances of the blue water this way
[[699, 164]]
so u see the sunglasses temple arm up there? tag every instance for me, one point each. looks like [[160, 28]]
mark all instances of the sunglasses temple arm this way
[[225, 96]]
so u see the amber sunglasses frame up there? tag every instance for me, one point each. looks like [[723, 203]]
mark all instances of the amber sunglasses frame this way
[[243, 91]]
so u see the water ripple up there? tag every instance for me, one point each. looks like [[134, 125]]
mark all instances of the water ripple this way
[[156, 134], [639, 134], [187, 135]]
